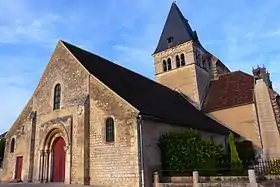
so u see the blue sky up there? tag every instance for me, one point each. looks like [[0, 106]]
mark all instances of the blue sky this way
[[240, 33]]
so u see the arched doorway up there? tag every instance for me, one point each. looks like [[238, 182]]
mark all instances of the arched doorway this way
[[59, 155]]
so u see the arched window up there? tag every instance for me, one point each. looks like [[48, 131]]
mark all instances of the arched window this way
[[110, 130], [177, 61], [164, 65], [169, 67], [12, 146], [183, 62], [57, 97]]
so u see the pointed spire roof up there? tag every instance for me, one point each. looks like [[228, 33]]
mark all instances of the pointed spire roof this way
[[176, 30]]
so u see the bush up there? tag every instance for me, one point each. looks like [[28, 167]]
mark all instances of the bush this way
[[2, 149], [274, 167], [236, 164], [186, 151], [246, 153]]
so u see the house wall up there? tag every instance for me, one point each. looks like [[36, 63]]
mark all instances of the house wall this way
[[242, 120], [112, 164], [21, 133], [81, 123], [64, 69], [152, 130]]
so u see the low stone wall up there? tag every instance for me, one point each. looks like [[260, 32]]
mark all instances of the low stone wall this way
[[203, 179], [231, 184]]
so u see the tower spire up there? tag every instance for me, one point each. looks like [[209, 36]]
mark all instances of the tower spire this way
[[175, 31]]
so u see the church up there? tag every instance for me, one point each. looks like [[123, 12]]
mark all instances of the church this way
[[91, 121]]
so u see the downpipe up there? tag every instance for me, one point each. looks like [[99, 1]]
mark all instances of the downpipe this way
[[140, 143]]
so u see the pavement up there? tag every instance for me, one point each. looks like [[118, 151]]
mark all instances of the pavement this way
[[10, 184]]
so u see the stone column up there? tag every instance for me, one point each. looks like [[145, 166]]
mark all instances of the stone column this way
[[41, 166], [156, 179], [14, 172], [195, 178], [252, 178], [50, 166], [67, 165], [46, 166]]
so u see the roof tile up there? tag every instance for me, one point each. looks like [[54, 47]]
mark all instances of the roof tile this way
[[231, 89], [147, 96]]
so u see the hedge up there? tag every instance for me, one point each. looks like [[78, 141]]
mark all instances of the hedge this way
[[186, 151]]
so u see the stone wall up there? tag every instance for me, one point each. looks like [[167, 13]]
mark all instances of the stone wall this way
[[20, 131], [242, 120], [182, 78], [112, 164], [152, 130], [65, 70], [62, 69], [268, 124]]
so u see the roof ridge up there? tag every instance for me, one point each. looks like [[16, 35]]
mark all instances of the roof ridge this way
[[107, 60], [232, 72], [146, 95]]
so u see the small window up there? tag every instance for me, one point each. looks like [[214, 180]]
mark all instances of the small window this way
[[110, 130], [183, 62], [170, 40], [57, 97], [177, 61], [169, 67], [164, 65], [12, 148]]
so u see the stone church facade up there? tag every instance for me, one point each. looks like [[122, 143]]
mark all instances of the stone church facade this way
[[90, 121]]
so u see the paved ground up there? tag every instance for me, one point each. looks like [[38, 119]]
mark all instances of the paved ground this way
[[2, 184]]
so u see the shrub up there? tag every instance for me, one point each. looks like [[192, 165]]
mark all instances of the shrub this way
[[274, 167], [2, 149], [236, 164], [246, 153], [186, 151]]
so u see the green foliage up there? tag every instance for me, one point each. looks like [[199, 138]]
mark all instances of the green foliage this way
[[274, 167], [183, 151], [236, 164], [2, 149], [246, 153]]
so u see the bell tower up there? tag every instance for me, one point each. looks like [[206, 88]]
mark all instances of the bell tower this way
[[180, 61]]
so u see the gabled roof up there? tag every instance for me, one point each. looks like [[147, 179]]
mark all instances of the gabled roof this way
[[231, 89], [149, 97], [176, 26]]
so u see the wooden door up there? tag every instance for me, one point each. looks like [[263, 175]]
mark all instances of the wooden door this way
[[19, 161], [59, 160]]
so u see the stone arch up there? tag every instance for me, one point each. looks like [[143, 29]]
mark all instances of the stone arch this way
[[54, 129]]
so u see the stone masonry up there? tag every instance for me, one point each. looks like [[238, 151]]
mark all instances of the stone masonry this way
[[83, 131]]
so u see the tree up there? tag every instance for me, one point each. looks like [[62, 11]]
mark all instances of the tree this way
[[2, 149], [236, 164]]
